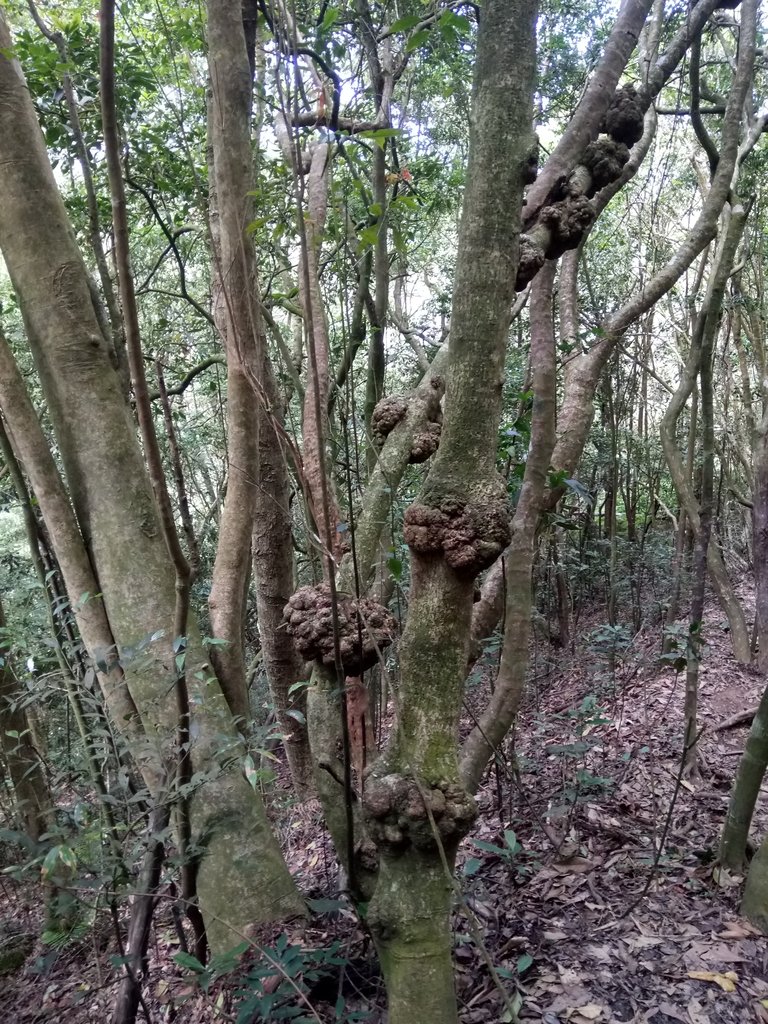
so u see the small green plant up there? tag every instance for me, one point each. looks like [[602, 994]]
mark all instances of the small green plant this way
[[609, 645], [675, 646], [511, 854], [579, 781], [274, 983]]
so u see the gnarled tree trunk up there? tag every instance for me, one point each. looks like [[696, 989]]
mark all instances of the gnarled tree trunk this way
[[416, 806]]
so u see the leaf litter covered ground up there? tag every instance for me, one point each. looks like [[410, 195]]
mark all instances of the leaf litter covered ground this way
[[588, 882]]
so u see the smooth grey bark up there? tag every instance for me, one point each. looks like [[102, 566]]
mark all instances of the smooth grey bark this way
[[33, 452], [240, 325]]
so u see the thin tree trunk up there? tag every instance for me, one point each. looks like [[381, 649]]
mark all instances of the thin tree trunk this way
[[746, 790], [238, 318], [117, 336], [754, 761], [497, 718], [707, 322], [272, 548], [27, 772]]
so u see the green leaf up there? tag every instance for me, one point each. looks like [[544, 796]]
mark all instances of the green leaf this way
[[380, 133], [489, 847], [456, 21], [411, 202], [330, 19], [510, 1014], [324, 906], [405, 24], [251, 772], [395, 566], [511, 840], [416, 40], [472, 866], [399, 241], [375, 209], [369, 235], [62, 854], [524, 962], [189, 961], [68, 857], [120, 961]]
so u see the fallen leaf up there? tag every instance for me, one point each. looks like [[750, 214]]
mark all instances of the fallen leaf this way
[[696, 1013], [576, 866], [726, 879], [727, 981], [591, 1011], [738, 930], [670, 1010]]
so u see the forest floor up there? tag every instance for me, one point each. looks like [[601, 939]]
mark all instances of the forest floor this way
[[587, 883]]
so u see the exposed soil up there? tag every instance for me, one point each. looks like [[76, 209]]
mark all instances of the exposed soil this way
[[591, 919]]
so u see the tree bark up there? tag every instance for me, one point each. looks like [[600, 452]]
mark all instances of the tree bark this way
[[746, 790], [241, 876], [30, 786], [409, 912], [497, 717]]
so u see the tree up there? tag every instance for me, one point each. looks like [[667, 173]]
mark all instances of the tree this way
[[118, 520]]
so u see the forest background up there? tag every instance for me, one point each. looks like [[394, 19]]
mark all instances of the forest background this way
[[360, 362]]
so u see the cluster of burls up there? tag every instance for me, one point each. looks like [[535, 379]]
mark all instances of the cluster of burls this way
[[470, 535], [623, 120], [396, 814], [388, 412], [364, 628], [425, 443], [569, 213], [392, 409], [567, 221], [605, 159]]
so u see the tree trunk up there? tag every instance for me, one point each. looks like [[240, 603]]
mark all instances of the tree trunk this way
[[754, 905], [272, 548], [241, 876], [702, 338], [754, 761], [30, 786], [746, 789], [416, 806], [497, 718], [238, 317], [760, 537]]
